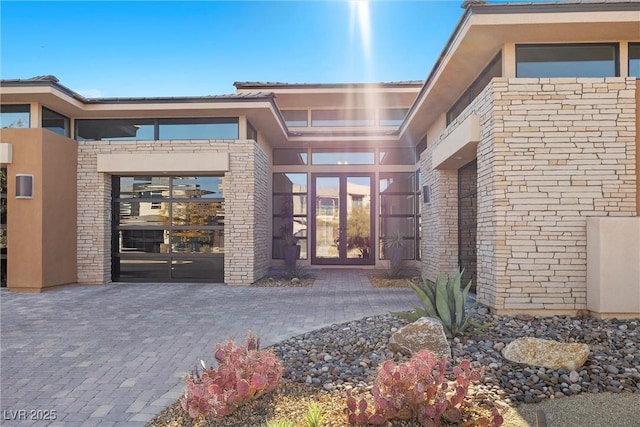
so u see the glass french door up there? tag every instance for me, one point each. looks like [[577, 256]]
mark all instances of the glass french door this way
[[342, 215]]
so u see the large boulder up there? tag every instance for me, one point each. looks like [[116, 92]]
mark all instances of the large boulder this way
[[546, 353], [425, 333]]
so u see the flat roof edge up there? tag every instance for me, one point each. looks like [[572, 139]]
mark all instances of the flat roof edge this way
[[280, 85], [555, 6], [44, 83], [250, 97]]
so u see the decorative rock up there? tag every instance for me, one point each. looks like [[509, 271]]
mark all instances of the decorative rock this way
[[574, 377], [424, 333], [612, 369], [546, 353]]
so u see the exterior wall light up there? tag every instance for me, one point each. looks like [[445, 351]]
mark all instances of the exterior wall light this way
[[24, 186]]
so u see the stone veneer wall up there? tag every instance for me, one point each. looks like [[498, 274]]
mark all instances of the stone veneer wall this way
[[246, 211], [564, 150], [552, 153], [439, 241], [262, 215], [246, 236]]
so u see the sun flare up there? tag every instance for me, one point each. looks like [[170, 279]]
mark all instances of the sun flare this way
[[361, 21]]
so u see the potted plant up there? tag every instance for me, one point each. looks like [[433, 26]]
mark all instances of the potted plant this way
[[394, 252]]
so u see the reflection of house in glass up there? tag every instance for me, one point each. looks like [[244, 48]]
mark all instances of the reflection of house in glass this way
[[516, 159], [354, 225]]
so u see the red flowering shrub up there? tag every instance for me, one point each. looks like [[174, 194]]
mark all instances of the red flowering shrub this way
[[243, 373], [417, 389]]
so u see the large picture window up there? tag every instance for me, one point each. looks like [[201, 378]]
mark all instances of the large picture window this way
[[567, 60], [168, 228]]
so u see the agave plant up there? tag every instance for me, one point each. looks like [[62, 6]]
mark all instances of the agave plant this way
[[445, 300]]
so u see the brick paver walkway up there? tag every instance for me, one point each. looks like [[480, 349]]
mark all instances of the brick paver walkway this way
[[116, 354]]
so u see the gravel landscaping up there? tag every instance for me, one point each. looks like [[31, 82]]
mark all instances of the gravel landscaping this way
[[321, 365]]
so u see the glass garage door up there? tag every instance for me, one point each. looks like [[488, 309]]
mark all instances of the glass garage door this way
[[168, 229]]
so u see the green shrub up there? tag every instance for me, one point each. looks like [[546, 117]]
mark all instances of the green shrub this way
[[280, 423], [445, 300], [314, 416], [298, 273]]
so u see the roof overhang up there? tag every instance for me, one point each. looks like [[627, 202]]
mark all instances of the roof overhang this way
[[260, 109], [484, 29]]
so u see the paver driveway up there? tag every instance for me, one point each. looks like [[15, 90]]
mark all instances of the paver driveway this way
[[116, 354]]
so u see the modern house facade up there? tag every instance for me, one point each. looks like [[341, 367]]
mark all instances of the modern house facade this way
[[516, 159]]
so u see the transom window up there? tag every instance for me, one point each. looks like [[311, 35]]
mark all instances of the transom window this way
[[355, 117], [392, 116], [337, 118], [494, 69], [567, 60], [342, 157], [295, 118], [157, 129]]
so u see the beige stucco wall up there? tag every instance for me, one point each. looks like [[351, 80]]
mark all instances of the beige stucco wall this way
[[59, 202], [245, 208], [637, 149], [613, 267], [41, 232]]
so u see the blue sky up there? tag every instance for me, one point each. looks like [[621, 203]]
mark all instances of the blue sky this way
[[162, 48]]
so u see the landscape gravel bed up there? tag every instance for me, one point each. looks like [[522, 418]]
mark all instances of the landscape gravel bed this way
[[321, 365], [346, 356]]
